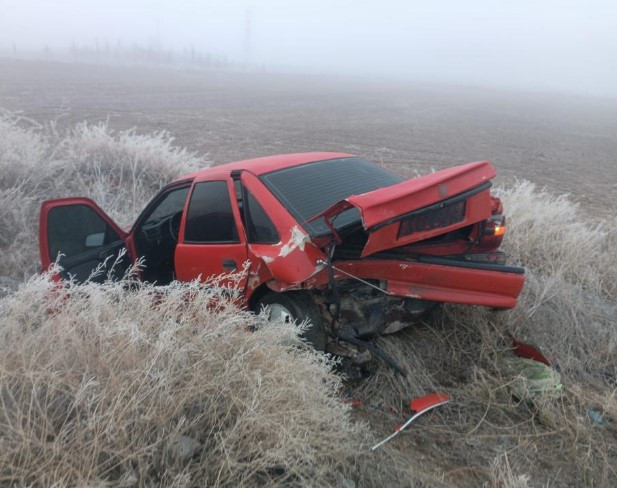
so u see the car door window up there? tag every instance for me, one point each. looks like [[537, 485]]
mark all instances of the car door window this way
[[172, 203], [210, 217], [74, 229], [80, 240], [259, 227]]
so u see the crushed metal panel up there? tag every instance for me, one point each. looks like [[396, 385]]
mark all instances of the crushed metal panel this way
[[378, 206], [294, 260], [474, 209]]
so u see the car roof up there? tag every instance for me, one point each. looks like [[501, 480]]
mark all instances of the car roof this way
[[264, 164]]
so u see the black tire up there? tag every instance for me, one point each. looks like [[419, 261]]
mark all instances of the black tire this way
[[301, 307]]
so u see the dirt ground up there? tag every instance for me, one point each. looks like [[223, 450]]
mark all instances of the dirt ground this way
[[565, 142]]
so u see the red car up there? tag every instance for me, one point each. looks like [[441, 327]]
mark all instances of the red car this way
[[346, 243]]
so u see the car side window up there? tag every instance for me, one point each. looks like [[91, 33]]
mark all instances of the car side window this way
[[172, 203], [210, 217], [259, 227], [74, 229]]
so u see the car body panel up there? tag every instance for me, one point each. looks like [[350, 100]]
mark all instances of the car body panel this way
[[222, 257], [382, 205], [266, 164], [473, 209], [435, 282]]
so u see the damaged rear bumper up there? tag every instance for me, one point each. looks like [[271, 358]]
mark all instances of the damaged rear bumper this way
[[466, 282], [436, 279]]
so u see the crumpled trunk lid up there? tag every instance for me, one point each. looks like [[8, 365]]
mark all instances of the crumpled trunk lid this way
[[421, 208]]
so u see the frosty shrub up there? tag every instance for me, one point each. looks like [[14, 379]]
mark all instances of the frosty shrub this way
[[569, 304]]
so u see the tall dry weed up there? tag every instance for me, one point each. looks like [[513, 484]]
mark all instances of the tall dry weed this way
[[569, 304]]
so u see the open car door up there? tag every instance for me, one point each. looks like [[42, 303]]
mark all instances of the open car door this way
[[84, 240]]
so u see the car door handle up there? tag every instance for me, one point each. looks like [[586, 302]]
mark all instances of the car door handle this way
[[229, 264]]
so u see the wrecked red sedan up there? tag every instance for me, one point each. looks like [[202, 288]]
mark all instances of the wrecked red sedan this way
[[355, 248]]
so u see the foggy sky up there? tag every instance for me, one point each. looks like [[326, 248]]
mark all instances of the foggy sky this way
[[562, 46]]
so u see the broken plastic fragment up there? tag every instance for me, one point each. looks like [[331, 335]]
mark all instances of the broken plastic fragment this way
[[528, 351], [425, 403]]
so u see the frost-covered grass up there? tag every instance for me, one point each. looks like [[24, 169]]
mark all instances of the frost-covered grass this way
[[569, 304], [107, 382]]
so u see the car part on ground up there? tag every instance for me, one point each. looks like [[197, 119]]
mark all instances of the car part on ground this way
[[420, 406], [531, 379]]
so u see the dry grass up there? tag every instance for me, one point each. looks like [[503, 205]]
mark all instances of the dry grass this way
[[502, 476], [569, 305], [99, 381], [100, 388]]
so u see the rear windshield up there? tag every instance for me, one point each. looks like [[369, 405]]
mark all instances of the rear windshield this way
[[311, 188]]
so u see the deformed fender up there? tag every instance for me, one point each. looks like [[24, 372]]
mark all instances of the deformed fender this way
[[294, 260]]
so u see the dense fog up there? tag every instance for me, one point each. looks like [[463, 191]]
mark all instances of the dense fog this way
[[563, 46]]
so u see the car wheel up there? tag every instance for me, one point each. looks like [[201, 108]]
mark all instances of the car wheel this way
[[296, 306]]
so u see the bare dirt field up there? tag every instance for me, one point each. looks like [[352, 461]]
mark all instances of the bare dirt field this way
[[565, 142]]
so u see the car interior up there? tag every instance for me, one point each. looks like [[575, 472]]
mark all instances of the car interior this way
[[156, 236]]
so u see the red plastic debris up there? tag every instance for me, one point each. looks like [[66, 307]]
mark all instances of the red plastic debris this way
[[528, 351], [422, 403], [420, 406]]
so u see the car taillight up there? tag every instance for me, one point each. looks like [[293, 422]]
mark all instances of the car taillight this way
[[495, 226]]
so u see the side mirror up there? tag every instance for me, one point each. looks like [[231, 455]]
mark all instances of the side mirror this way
[[95, 240]]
